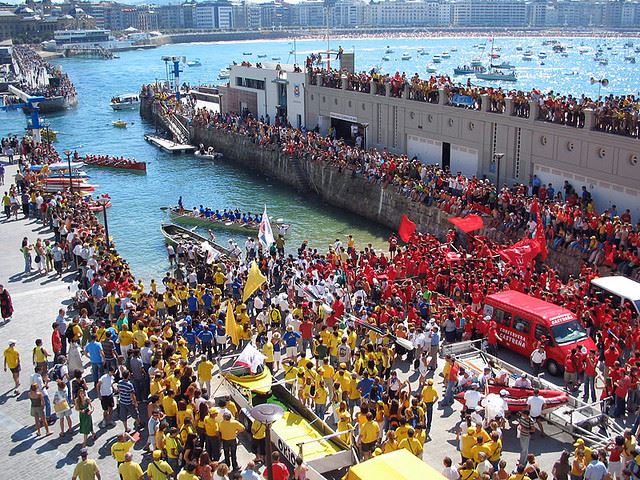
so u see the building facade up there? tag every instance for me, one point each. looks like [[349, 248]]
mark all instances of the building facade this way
[[468, 140]]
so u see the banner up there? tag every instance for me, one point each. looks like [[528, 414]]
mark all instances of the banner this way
[[521, 254], [469, 223], [231, 326], [464, 100]]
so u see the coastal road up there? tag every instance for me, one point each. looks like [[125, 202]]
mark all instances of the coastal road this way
[[37, 299]]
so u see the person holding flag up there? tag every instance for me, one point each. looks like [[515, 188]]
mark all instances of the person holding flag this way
[[265, 234]]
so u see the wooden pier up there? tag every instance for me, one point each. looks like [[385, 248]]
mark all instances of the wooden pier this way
[[169, 146]]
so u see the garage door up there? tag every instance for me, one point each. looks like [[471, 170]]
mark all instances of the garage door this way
[[428, 151], [464, 160], [605, 194]]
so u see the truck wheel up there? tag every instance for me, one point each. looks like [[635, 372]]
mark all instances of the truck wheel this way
[[554, 369]]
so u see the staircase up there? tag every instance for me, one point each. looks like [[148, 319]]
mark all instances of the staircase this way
[[173, 124], [300, 174]]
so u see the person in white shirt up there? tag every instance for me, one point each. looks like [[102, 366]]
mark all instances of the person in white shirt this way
[[522, 382], [472, 398], [449, 471], [536, 404], [538, 359], [484, 465]]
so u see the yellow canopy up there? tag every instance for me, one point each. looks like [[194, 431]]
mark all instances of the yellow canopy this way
[[398, 465]]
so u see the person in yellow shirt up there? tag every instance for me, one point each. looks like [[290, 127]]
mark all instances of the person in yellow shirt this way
[[140, 336], [12, 362], [123, 446], [353, 393], [467, 443], [402, 431], [212, 435], [126, 340], [267, 351], [495, 450], [345, 425], [480, 447], [130, 470], [429, 397], [158, 469], [390, 444], [188, 472], [173, 447], [320, 399], [368, 437], [258, 443], [170, 407], [467, 472], [205, 373], [229, 430], [412, 444]]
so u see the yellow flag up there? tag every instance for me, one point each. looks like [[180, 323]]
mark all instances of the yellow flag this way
[[254, 280], [230, 325]]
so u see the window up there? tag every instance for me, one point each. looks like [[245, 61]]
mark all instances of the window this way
[[502, 317], [521, 325], [540, 331]]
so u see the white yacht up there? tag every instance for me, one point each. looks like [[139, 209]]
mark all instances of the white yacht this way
[[127, 101]]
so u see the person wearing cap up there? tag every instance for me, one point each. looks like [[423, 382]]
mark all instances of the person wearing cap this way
[[472, 398], [522, 382], [86, 469], [582, 449], [158, 469], [429, 397], [130, 470], [12, 362], [290, 339]]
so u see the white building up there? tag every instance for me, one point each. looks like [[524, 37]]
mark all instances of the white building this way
[[273, 90]]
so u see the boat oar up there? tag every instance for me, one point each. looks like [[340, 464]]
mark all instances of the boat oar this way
[[164, 209], [403, 342]]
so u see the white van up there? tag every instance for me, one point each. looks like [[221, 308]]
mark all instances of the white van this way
[[618, 289]]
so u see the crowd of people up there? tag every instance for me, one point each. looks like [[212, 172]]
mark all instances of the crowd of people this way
[[570, 217], [38, 77], [616, 114], [152, 347]]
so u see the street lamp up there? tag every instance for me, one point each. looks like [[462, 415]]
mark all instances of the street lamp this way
[[68, 154], [496, 158], [104, 201], [267, 414]]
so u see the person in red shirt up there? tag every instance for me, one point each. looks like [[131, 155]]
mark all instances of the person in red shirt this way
[[621, 389], [306, 332], [56, 341], [279, 469], [590, 364], [570, 370], [611, 355]]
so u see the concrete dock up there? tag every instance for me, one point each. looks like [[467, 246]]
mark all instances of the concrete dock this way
[[169, 146]]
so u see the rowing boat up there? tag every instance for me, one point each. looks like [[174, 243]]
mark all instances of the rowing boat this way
[[299, 432], [188, 218], [112, 162], [175, 234]]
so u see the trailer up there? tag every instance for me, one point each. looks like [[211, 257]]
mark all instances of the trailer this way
[[576, 418]]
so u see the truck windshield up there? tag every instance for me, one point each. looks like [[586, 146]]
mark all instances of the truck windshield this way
[[568, 332]]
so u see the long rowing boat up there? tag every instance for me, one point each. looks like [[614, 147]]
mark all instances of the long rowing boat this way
[[186, 217], [114, 162], [175, 234], [300, 432]]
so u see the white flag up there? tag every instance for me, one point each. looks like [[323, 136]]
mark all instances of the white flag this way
[[265, 234]]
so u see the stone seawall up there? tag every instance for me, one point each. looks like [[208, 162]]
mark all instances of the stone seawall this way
[[339, 188]]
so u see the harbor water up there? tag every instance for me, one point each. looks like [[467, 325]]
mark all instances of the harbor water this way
[[136, 214]]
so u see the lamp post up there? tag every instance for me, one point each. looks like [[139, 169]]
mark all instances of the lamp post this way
[[497, 157], [103, 201], [68, 154], [267, 414]]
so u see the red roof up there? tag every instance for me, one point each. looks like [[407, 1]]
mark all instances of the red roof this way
[[540, 308]]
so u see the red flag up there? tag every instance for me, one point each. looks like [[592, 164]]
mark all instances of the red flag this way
[[469, 223], [453, 257], [406, 229], [535, 208], [521, 254]]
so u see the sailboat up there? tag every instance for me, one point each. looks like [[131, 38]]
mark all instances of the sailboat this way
[[496, 74]]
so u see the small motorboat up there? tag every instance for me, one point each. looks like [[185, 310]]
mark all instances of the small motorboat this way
[[431, 70], [247, 53], [194, 63], [275, 59], [516, 398], [476, 62], [127, 101], [208, 154], [503, 66], [385, 59], [497, 75], [119, 124], [224, 74], [262, 55], [405, 56], [445, 55], [388, 50], [437, 59]]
